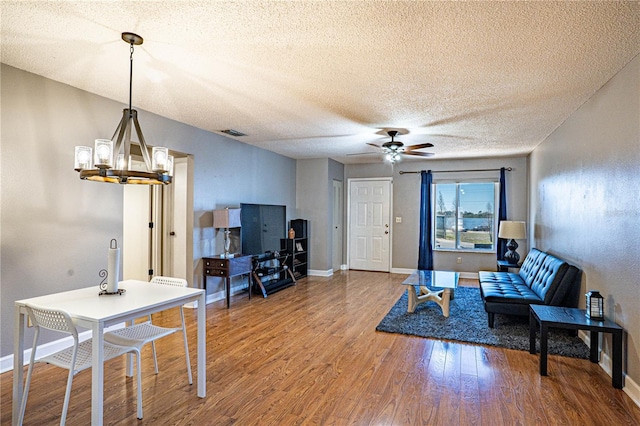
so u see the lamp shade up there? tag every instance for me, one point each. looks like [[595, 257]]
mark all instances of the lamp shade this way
[[510, 229], [226, 218]]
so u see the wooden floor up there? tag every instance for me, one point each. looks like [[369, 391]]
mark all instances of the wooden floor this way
[[310, 355]]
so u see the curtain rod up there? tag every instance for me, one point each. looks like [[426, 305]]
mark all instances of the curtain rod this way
[[458, 171]]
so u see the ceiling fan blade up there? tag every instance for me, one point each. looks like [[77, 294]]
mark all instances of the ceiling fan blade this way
[[418, 146], [373, 144], [420, 154]]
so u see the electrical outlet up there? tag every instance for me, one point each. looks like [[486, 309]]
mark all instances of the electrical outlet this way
[[398, 219], [459, 260]]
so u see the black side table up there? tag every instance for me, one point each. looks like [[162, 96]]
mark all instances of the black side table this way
[[574, 319], [503, 266]]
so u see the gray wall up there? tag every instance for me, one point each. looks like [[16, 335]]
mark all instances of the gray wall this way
[[406, 204], [314, 201], [56, 228], [336, 172], [585, 204]]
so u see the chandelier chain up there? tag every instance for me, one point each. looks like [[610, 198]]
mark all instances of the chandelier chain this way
[[130, 76]]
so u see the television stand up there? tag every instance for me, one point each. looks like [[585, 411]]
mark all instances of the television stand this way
[[271, 273]]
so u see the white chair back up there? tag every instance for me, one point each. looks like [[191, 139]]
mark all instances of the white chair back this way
[[177, 282], [50, 319]]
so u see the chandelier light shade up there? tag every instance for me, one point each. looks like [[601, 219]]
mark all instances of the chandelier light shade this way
[[512, 230], [112, 157], [104, 154], [84, 158]]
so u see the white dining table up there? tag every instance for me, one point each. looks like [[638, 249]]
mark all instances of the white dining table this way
[[94, 312]]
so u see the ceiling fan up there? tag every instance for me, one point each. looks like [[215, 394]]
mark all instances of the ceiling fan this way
[[393, 150]]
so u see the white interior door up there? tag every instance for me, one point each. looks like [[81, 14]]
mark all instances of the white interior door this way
[[142, 232], [176, 223], [369, 224], [338, 208]]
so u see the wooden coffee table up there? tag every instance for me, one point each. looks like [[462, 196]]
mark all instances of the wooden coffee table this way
[[435, 286]]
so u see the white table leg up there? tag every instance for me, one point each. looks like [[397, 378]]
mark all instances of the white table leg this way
[[441, 297], [444, 303], [18, 362], [97, 377], [202, 346], [128, 371], [412, 299]]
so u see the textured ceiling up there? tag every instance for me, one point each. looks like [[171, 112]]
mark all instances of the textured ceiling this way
[[321, 79]]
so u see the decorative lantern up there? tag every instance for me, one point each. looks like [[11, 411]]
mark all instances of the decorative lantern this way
[[595, 305]]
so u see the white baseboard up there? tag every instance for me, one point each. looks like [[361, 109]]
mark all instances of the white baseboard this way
[[320, 273], [630, 387], [402, 271], [220, 295]]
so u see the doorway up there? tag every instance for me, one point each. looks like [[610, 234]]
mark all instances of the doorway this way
[[158, 227], [369, 233]]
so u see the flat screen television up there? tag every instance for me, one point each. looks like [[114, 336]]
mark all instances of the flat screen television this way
[[263, 225]]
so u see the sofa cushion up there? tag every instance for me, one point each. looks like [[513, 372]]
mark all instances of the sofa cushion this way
[[531, 265], [506, 288], [548, 278]]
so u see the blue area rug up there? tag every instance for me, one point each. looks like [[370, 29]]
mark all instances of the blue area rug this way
[[468, 323]]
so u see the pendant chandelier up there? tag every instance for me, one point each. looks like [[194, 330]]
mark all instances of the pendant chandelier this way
[[111, 161]]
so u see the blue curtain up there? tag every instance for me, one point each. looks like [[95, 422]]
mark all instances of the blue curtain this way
[[502, 214], [425, 251]]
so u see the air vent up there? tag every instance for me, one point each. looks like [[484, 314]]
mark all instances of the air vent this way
[[232, 132]]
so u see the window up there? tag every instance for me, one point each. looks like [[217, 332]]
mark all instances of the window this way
[[464, 216]]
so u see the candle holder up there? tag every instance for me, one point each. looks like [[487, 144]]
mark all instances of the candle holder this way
[[103, 284]]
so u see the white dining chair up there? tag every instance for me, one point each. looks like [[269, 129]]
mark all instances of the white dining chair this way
[[142, 333], [74, 358]]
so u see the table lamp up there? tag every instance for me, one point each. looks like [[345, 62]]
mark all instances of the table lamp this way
[[226, 218], [512, 230]]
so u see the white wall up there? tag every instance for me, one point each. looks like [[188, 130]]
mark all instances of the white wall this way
[[55, 228], [585, 201]]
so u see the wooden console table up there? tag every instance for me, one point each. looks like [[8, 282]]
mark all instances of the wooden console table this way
[[227, 267]]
